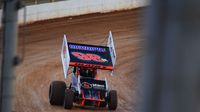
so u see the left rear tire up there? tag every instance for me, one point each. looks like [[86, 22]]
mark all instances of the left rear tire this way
[[56, 92]]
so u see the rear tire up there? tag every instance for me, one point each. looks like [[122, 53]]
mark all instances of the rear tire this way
[[112, 100], [69, 98], [57, 92]]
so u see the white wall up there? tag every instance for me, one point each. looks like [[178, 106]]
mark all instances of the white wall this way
[[76, 7]]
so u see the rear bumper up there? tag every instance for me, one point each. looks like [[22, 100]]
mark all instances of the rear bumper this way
[[92, 102]]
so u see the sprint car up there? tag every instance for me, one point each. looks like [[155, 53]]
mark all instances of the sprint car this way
[[85, 88]]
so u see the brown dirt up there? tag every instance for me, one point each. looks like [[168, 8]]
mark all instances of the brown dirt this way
[[42, 63]]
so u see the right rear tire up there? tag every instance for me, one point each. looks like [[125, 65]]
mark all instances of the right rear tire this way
[[57, 92], [112, 100], [69, 98]]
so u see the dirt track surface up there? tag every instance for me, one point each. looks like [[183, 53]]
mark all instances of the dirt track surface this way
[[42, 62]]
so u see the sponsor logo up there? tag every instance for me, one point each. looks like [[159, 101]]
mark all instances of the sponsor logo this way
[[98, 86], [86, 85], [87, 48], [89, 57], [64, 52], [91, 66]]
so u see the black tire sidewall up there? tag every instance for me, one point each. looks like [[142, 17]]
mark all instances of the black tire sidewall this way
[[112, 100], [57, 92]]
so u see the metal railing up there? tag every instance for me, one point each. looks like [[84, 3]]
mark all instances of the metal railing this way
[[34, 2]]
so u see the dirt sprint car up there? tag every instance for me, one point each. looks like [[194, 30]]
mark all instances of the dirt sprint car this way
[[85, 89]]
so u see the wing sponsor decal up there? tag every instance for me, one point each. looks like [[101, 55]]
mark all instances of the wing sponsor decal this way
[[91, 65], [64, 51], [89, 57], [87, 48]]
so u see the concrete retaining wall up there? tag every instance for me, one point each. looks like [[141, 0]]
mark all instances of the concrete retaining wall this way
[[75, 7]]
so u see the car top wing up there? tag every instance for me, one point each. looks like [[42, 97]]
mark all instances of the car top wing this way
[[90, 56]]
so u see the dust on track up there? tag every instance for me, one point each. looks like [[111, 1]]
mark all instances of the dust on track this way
[[42, 62]]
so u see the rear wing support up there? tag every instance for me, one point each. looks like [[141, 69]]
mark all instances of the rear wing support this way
[[111, 46], [65, 56]]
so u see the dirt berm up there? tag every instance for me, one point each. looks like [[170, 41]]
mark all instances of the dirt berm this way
[[42, 63]]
